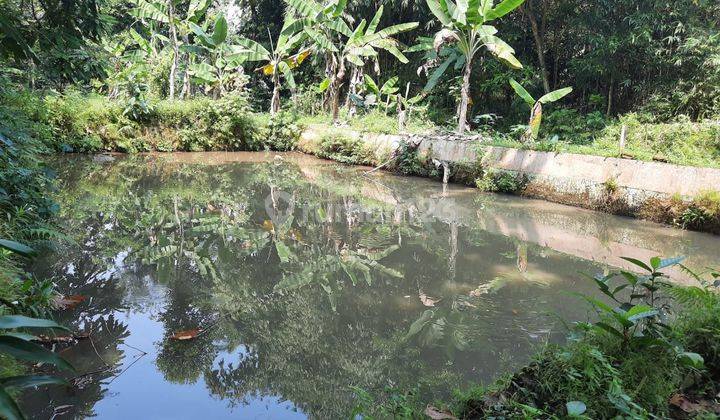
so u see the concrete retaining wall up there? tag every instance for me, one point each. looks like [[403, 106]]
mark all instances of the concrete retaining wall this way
[[610, 184]]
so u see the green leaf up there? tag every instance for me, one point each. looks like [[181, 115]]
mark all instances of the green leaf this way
[[16, 247], [575, 408], [253, 51], [389, 86], [637, 263], [522, 92], [503, 9], [320, 40], [609, 328], [20, 335], [437, 74], [322, 87], [668, 262], [390, 45], [375, 21], [306, 8], [639, 312], [220, 32], [691, 359], [554, 95], [632, 278], [283, 251], [21, 321], [8, 408], [439, 11], [460, 14], [599, 304], [204, 72], [25, 350], [27, 381], [502, 51], [419, 324], [205, 39], [370, 83]]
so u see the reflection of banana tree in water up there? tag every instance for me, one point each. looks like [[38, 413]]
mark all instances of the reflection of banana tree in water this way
[[188, 236], [323, 269], [96, 359], [448, 326], [522, 257]]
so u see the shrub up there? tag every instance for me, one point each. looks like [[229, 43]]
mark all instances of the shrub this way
[[409, 162], [282, 132], [495, 180], [344, 149], [571, 126]]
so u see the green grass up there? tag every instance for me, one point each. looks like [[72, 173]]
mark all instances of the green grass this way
[[374, 122], [681, 143]]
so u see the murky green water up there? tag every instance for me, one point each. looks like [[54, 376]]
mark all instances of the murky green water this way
[[308, 279]]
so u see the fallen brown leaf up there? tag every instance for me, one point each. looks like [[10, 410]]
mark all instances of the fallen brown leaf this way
[[186, 335], [67, 302], [437, 414], [681, 402]]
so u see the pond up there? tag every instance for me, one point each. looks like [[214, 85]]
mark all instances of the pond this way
[[260, 285]]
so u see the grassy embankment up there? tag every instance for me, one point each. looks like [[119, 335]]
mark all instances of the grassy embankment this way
[[83, 123]]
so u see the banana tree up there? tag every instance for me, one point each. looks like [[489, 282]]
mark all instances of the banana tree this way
[[363, 44], [331, 36], [224, 59], [536, 107], [465, 31], [157, 12], [163, 13], [388, 89], [280, 59], [325, 25]]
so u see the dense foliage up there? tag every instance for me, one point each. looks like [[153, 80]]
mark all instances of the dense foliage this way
[[655, 58]]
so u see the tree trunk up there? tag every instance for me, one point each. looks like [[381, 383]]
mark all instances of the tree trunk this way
[[539, 48], [335, 83], [174, 41], [610, 95], [275, 102], [464, 96], [185, 92], [330, 67]]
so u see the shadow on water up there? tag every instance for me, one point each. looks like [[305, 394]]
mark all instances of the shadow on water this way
[[306, 279]]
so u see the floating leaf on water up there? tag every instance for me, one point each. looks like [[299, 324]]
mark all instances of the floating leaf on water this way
[[186, 335], [67, 302]]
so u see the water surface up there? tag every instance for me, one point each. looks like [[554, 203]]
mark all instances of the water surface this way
[[308, 280]]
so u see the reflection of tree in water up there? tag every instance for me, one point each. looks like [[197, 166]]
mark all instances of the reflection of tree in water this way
[[302, 309], [97, 359]]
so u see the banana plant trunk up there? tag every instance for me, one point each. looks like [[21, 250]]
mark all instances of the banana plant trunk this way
[[185, 92], [174, 40], [335, 84], [275, 102], [464, 96]]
